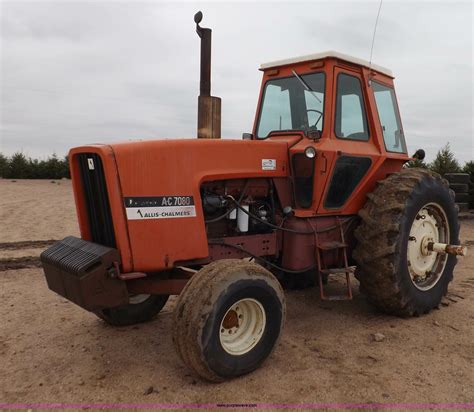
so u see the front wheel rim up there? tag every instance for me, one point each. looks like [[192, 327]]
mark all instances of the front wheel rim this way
[[426, 267], [242, 326]]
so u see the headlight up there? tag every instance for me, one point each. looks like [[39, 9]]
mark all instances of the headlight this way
[[310, 152]]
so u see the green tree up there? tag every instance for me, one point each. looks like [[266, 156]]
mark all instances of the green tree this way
[[416, 163], [445, 162], [18, 167], [33, 169], [21, 167], [53, 167], [65, 168], [3, 165]]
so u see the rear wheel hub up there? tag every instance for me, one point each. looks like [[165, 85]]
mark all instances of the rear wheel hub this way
[[429, 226]]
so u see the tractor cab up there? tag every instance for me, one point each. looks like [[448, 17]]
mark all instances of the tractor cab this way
[[341, 117]]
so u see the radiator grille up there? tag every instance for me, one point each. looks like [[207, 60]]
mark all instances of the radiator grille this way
[[97, 200]]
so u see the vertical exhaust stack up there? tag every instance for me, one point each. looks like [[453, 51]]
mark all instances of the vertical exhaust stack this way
[[209, 107]]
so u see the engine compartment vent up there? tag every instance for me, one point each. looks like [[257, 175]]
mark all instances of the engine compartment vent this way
[[97, 199]]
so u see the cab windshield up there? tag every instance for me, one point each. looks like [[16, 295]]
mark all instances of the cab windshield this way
[[289, 105]]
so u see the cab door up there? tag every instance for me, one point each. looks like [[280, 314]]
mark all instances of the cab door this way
[[352, 142]]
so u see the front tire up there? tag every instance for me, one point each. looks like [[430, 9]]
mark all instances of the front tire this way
[[141, 308], [228, 319], [395, 271]]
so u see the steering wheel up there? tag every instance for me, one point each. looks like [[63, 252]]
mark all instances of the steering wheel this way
[[319, 118]]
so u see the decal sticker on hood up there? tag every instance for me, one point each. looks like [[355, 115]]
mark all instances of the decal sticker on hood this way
[[159, 207], [269, 164]]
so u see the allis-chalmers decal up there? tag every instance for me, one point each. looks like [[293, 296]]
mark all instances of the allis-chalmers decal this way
[[159, 207]]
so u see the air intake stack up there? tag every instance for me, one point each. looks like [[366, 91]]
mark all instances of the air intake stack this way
[[209, 107]]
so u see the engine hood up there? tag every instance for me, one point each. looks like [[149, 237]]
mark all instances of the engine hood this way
[[154, 191]]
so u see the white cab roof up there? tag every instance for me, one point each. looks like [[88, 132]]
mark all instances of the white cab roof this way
[[318, 56]]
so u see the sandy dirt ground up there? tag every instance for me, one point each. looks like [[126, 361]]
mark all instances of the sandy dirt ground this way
[[53, 351]]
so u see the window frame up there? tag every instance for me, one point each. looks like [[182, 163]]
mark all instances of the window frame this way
[[355, 76], [331, 178], [289, 130], [397, 115]]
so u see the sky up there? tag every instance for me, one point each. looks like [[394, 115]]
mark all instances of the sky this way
[[74, 73]]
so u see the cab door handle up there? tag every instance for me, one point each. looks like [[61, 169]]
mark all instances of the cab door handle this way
[[325, 163]]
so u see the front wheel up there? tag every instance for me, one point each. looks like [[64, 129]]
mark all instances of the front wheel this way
[[228, 319], [405, 213], [141, 308]]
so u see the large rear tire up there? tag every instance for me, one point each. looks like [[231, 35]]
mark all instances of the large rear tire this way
[[395, 271], [228, 319]]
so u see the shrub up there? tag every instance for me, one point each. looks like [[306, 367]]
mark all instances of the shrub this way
[[3, 165], [417, 163], [18, 166], [445, 162]]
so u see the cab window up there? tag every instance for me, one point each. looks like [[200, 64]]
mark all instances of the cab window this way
[[291, 104], [351, 120], [389, 118]]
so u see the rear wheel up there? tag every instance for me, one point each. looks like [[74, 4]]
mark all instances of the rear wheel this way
[[141, 308], [396, 270], [228, 319]]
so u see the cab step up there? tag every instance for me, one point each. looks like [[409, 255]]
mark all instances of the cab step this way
[[331, 245], [343, 268], [337, 271]]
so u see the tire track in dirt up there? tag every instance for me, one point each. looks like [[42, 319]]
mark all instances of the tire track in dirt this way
[[26, 244], [25, 262]]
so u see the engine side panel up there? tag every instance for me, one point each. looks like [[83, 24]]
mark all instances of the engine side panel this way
[[161, 181]]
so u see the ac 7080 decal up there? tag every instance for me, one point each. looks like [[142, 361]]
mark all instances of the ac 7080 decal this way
[[159, 207]]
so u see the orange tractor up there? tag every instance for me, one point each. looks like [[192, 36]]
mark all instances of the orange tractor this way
[[317, 189]]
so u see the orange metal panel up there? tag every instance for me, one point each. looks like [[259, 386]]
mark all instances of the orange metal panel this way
[[177, 168], [329, 147], [114, 192]]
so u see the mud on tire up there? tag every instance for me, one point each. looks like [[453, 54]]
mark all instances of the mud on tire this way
[[203, 308], [381, 251]]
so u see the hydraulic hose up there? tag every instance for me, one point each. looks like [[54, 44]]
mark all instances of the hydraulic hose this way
[[216, 219], [303, 232]]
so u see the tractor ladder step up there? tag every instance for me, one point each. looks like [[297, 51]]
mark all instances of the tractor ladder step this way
[[334, 246], [338, 271], [331, 245]]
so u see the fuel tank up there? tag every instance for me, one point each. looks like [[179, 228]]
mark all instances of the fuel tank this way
[[299, 249]]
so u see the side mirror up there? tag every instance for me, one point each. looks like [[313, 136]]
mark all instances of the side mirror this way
[[247, 136], [419, 154]]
